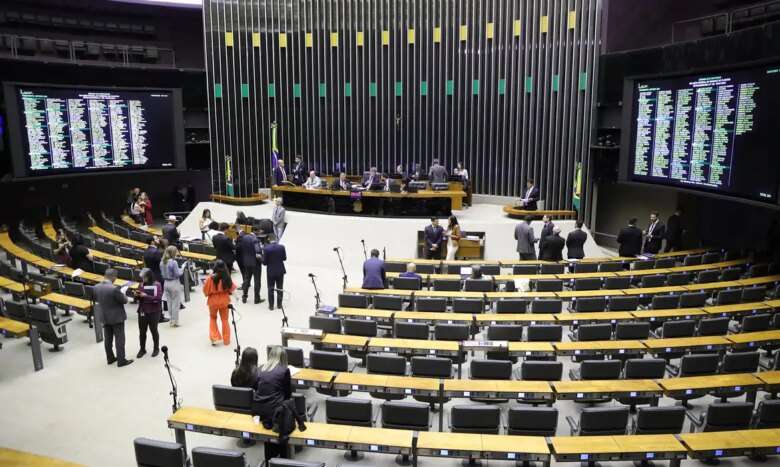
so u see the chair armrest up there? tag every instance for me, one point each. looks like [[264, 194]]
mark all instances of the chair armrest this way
[[695, 421], [572, 336], [62, 321], [655, 334], [376, 415], [311, 410], [574, 374], [575, 428]]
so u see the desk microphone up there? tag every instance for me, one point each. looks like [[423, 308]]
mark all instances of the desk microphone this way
[[165, 352]]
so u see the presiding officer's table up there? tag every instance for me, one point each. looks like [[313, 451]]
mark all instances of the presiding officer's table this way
[[423, 202]]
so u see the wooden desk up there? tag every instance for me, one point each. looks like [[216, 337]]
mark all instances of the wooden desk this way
[[433, 317], [654, 290], [313, 378], [486, 319], [380, 440], [600, 389], [686, 344], [693, 251], [738, 310], [585, 448], [518, 212], [414, 346], [716, 444], [411, 385], [762, 280], [771, 380], [650, 447], [359, 381], [589, 348], [342, 341], [515, 448], [669, 314], [528, 349], [447, 294], [13, 327], [698, 385], [144, 228], [569, 319], [199, 420], [13, 458], [457, 445], [142, 246], [366, 313], [568, 294], [752, 340], [470, 387], [66, 301], [251, 200]]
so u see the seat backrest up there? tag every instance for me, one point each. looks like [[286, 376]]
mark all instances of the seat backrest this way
[[431, 367], [594, 332], [758, 270], [448, 285], [423, 268], [380, 364], [693, 299], [478, 285], [729, 297], [615, 283], [551, 268], [360, 327], [546, 305], [153, 453], [295, 357], [679, 278], [600, 369], [768, 414], [545, 333], [753, 294], [430, 304], [467, 305], [491, 269], [75, 289], [451, 332], [214, 457], [585, 267], [394, 266], [642, 265], [347, 410], [414, 415], [325, 323], [612, 266], [710, 275], [541, 370], [512, 305], [699, 364], [333, 361], [728, 416], [760, 322], [549, 285], [407, 283], [232, 399], [740, 362], [41, 315], [714, 326], [655, 280], [662, 263], [711, 257], [525, 269], [587, 283], [385, 302], [692, 260], [629, 330], [679, 328], [353, 301], [660, 420], [586, 304], [627, 303], [16, 310], [645, 368], [505, 332], [470, 417], [665, 301], [490, 369], [603, 420], [532, 421], [405, 330], [730, 274]]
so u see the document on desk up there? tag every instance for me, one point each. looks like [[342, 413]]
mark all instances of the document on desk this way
[[77, 273]]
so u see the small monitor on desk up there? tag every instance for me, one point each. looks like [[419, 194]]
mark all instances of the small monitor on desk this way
[[465, 271], [417, 185], [377, 187]]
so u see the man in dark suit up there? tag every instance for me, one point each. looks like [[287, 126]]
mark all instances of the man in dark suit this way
[[547, 230], [531, 197], [437, 173], [553, 246], [111, 302], [434, 234], [225, 249], [654, 235], [280, 173], [250, 263], [575, 242], [674, 231], [299, 171], [374, 272], [371, 178], [152, 257], [171, 233], [341, 183], [274, 256], [630, 240]]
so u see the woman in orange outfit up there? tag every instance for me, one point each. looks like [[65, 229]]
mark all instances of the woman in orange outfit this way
[[217, 290]]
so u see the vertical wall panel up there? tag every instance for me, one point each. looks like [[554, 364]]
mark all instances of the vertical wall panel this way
[[367, 82]]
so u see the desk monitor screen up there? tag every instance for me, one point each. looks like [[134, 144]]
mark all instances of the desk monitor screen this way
[[714, 132], [59, 130]]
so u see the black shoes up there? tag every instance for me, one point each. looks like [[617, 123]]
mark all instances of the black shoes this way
[[271, 307], [155, 352], [111, 361], [140, 353], [164, 319], [243, 299], [258, 300], [124, 363]]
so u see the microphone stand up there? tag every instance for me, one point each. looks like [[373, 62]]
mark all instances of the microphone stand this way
[[316, 292], [365, 255], [174, 388], [343, 271], [285, 322], [235, 334], [384, 254]]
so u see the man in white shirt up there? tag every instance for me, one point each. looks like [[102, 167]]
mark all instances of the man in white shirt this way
[[313, 182]]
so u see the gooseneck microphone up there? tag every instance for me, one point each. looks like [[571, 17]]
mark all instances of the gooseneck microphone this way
[[165, 351]]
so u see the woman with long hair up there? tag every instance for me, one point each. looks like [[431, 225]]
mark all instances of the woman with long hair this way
[[204, 222], [173, 289], [146, 204], [245, 376], [149, 296], [217, 289], [453, 237]]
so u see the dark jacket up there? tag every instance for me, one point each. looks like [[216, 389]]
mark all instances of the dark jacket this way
[[248, 250], [271, 389], [552, 250], [547, 230], [433, 236], [225, 249], [336, 185], [112, 303], [575, 243], [274, 256], [152, 301], [78, 258], [152, 258], [299, 173], [655, 238], [280, 175], [630, 240], [171, 233], [373, 273], [533, 198], [674, 230]]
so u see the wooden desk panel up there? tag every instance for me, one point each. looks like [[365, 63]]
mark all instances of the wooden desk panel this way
[[597, 347], [754, 339], [456, 442], [365, 313], [515, 447], [663, 315], [593, 317], [370, 439], [650, 447], [655, 290], [317, 376], [190, 417], [682, 384], [412, 384], [676, 343], [145, 228], [771, 378], [13, 327], [520, 318], [611, 388], [433, 317], [737, 309], [531, 348], [13, 458], [575, 445]]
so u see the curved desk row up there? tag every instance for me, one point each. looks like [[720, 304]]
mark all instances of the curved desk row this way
[[51, 234], [100, 232]]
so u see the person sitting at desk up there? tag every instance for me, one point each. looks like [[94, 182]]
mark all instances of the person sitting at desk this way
[[341, 183], [528, 202], [411, 272], [371, 178], [63, 244], [245, 376], [437, 173], [374, 272], [280, 174], [80, 257], [476, 273], [313, 182]]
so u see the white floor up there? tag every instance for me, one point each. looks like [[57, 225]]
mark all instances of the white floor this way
[[82, 410]]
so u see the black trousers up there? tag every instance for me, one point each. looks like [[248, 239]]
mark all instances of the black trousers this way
[[148, 321], [111, 331], [248, 274], [433, 254], [275, 282]]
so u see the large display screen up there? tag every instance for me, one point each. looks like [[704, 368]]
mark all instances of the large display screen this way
[[715, 132], [63, 130]]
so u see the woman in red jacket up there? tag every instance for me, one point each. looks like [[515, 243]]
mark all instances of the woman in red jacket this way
[[146, 203], [217, 289]]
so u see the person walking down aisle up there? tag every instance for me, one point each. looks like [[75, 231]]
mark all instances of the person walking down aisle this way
[[204, 222], [112, 301], [279, 218], [524, 234], [170, 232], [630, 240], [224, 246], [274, 256], [453, 237], [173, 289], [575, 242], [250, 263], [149, 296], [217, 289]]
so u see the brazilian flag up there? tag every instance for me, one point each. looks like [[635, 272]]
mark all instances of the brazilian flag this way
[[229, 175], [577, 192]]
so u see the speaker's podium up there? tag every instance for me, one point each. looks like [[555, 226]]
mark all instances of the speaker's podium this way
[[471, 246]]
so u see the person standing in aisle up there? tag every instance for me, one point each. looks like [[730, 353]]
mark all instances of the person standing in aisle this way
[[575, 242], [279, 218], [250, 263], [149, 295], [173, 290], [112, 301], [217, 289], [453, 237], [524, 234], [274, 256]]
